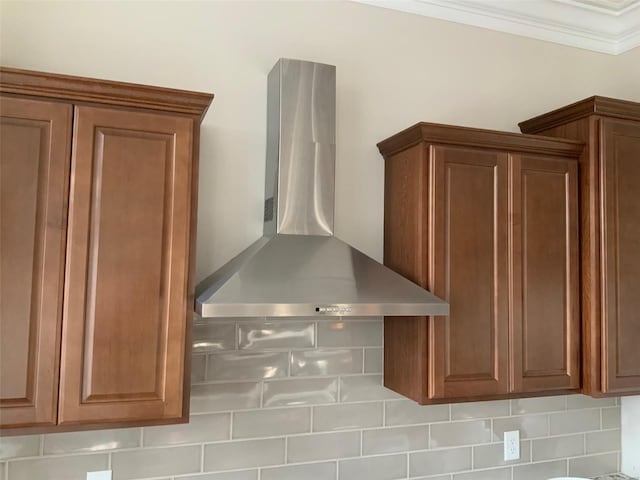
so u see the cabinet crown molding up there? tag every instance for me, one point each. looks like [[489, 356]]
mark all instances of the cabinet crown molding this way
[[596, 105], [475, 137], [81, 89]]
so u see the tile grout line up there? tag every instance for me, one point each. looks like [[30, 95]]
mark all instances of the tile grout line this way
[[408, 466], [286, 450]]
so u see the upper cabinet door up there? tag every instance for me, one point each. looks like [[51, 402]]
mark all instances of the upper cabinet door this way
[[126, 313], [469, 349], [35, 139], [620, 227], [545, 322]]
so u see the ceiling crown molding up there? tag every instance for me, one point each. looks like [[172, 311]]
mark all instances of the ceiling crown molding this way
[[607, 26]]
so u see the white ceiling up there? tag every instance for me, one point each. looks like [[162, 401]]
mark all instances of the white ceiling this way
[[608, 26]]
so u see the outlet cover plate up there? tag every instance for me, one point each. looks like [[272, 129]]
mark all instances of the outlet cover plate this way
[[101, 475], [511, 445]]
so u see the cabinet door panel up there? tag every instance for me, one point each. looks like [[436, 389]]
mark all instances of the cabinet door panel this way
[[125, 316], [620, 217], [469, 349], [545, 324], [35, 139]]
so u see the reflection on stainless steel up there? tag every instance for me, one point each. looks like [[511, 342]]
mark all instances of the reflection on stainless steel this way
[[298, 268], [293, 275]]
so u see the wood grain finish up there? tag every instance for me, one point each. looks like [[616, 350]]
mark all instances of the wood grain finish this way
[[596, 105], [96, 332], [406, 219], [475, 137], [34, 167], [127, 268], [90, 90], [469, 348], [545, 322], [607, 168], [620, 174], [455, 200]]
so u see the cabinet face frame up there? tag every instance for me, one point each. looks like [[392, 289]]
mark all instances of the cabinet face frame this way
[[39, 405]]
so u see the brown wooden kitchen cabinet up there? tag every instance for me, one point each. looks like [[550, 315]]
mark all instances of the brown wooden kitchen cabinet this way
[[489, 222], [610, 234], [98, 199]]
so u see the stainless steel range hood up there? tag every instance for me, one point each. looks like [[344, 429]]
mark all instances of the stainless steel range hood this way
[[298, 268]]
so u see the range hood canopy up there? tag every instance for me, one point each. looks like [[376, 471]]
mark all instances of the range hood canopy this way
[[298, 268]]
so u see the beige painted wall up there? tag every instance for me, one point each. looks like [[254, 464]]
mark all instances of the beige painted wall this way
[[394, 69]]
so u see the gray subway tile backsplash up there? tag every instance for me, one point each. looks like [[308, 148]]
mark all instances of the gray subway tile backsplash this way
[[326, 362], [211, 336], [302, 398], [440, 461], [247, 366], [350, 333], [317, 471], [611, 417], [408, 412], [244, 454], [91, 441], [492, 455], [198, 368], [396, 439], [300, 391], [225, 396], [323, 446], [364, 387], [574, 421], [373, 360], [540, 471], [466, 411], [237, 475], [460, 433], [530, 426], [21, 446], [494, 474], [582, 401], [524, 406], [200, 429], [155, 462], [387, 467], [276, 334], [594, 465], [603, 441], [347, 416], [57, 468], [557, 447], [267, 423]]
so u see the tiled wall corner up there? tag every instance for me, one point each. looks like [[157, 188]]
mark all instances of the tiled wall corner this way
[[302, 399]]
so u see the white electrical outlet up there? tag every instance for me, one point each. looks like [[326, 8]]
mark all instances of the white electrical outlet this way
[[511, 445], [101, 475]]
